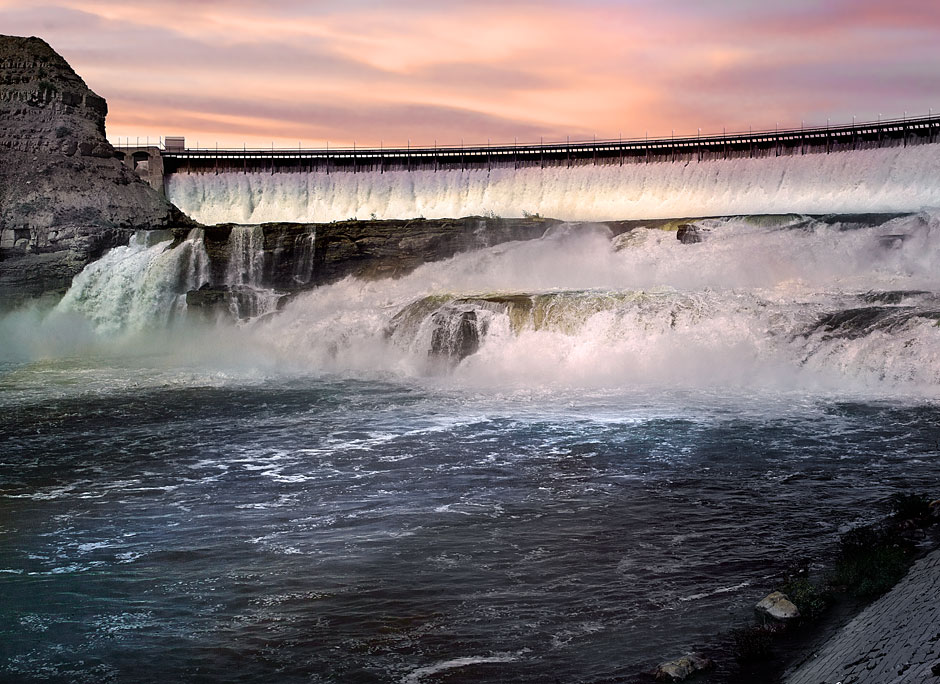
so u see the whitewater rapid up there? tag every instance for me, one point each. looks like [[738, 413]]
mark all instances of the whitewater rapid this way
[[756, 304], [773, 303], [881, 180]]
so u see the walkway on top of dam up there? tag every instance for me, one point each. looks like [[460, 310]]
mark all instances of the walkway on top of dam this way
[[896, 639], [815, 140]]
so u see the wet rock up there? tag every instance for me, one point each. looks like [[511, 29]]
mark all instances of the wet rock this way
[[895, 241], [891, 296], [776, 605], [455, 335], [209, 303], [302, 255], [682, 668], [851, 324], [688, 234], [372, 250]]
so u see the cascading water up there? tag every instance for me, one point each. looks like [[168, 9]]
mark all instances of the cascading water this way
[[304, 246], [891, 179], [758, 302], [246, 257], [244, 274], [141, 285]]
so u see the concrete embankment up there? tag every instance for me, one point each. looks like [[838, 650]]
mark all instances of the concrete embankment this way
[[896, 639]]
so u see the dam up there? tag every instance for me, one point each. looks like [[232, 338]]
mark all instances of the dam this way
[[877, 167]]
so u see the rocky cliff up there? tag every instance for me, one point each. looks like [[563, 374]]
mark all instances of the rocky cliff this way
[[64, 197], [368, 249], [290, 257]]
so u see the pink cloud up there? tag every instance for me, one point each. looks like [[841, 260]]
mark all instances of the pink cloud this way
[[234, 70]]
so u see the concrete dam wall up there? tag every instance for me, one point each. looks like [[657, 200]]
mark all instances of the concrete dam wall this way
[[889, 179]]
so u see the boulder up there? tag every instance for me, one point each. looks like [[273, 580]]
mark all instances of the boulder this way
[[688, 234], [776, 605], [682, 668], [455, 334]]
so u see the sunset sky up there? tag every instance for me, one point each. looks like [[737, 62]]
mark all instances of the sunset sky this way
[[288, 72]]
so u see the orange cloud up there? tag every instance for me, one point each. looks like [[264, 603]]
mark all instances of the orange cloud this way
[[235, 71]]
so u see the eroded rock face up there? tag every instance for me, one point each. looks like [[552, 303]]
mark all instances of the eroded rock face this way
[[302, 255], [383, 249], [64, 197]]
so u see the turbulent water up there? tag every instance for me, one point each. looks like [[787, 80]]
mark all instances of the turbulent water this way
[[566, 458], [891, 179]]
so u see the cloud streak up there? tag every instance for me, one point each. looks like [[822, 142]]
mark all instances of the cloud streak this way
[[236, 72]]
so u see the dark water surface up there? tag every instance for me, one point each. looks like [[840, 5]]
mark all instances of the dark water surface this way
[[319, 529]]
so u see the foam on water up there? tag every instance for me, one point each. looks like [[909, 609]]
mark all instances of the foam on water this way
[[507, 464], [422, 673], [782, 304], [742, 308], [890, 179]]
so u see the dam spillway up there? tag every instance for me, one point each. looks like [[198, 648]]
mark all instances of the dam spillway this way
[[887, 179]]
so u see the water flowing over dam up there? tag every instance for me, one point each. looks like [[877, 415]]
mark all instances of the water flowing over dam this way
[[871, 180]]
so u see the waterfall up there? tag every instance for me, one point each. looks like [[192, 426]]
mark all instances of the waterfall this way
[[246, 257], [785, 301], [141, 285], [769, 302], [880, 180], [303, 256], [244, 274]]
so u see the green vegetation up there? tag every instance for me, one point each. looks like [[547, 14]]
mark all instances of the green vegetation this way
[[812, 599], [872, 559], [872, 571], [913, 506], [751, 643]]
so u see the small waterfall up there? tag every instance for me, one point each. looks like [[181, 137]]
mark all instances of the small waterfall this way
[[246, 257], [303, 256], [244, 274], [141, 285]]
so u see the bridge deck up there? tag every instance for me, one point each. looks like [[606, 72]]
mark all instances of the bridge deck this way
[[699, 148]]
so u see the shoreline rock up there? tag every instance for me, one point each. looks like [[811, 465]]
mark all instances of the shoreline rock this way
[[680, 669], [777, 606]]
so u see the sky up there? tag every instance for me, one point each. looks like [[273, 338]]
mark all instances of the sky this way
[[370, 73]]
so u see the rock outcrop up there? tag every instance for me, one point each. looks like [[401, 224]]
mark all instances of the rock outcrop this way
[[776, 605], [688, 234], [301, 255], [64, 197], [381, 249]]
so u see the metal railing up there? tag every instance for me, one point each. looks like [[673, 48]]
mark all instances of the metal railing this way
[[764, 142]]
